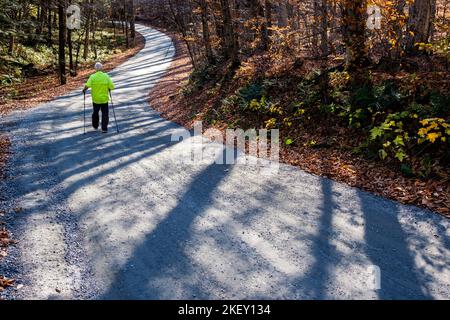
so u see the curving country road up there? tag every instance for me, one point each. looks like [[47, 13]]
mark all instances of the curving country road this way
[[118, 216]]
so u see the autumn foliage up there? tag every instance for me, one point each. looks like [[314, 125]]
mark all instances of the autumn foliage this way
[[365, 82]]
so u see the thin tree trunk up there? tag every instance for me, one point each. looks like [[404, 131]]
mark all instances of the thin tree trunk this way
[[354, 19], [229, 37], [94, 41], [217, 25], [42, 15], [127, 35], [11, 44], [49, 25], [206, 32], [324, 50], [114, 28], [38, 17], [69, 45], [333, 24], [267, 24], [255, 11], [62, 41], [77, 55], [122, 21], [315, 28], [283, 15], [420, 24], [55, 17], [132, 24], [181, 27], [324, 27], [86, 35]]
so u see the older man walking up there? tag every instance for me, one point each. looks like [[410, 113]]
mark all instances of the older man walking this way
[[100, 84]]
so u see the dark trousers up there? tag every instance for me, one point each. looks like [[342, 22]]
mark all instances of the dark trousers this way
[[105, 116]]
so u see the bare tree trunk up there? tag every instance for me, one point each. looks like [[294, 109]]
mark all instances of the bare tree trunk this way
[[69, 45], [420, 24], [55, 16], [38, 18], [217, 25], [267, 24], [315, 27], [126, 18], [123, 21], [62, 41], [324, 27], [324, 50], [206, 32], [49, 23], [11, 44], [255, 11], [86, 35], [24, 14], [283, 16], [182, 28], [354, 19], [94, 41], [333, 24], [42, 16], [114, 28], [230, 43], [12, 38], [132, 24], [397, 47], [77, 55]]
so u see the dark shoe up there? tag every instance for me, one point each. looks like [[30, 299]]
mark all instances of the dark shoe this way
[[104, 131]]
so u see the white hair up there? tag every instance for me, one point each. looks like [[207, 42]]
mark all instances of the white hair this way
[[98, 66]]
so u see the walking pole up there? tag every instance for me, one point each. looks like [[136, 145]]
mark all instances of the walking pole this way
[[84, 100], [114, 113]]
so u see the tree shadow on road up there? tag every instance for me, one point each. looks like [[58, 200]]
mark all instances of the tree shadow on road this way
[[314, 283], [387, 247], [161, 255]]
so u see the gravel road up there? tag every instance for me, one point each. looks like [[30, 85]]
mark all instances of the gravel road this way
[[119, 216]]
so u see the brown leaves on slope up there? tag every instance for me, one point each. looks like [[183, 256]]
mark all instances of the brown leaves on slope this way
[[164, 96], [375, 177], [333, 161]]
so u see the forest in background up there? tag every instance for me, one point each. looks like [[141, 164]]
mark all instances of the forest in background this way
[[38, 40], [378, 69], [360, 84], [359, 89], [368, 76]]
